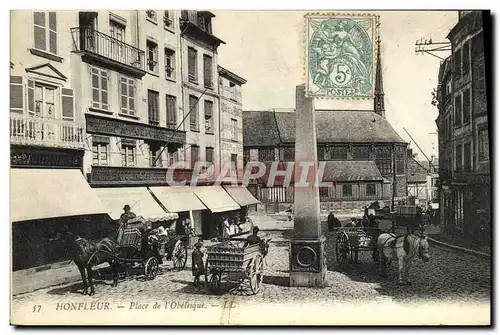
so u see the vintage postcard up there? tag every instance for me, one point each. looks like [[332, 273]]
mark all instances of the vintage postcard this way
[[196, 167]]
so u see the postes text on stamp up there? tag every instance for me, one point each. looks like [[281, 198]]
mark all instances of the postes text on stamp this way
[[340, 55]]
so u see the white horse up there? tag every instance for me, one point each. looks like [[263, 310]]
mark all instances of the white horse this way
[[404, 249]]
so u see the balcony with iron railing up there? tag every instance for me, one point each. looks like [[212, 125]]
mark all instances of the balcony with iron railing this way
[[46, 132], [99, 47]]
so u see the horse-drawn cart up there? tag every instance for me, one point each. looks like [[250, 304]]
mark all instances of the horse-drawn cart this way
[[352, 240], [149, 247], [234, 263]]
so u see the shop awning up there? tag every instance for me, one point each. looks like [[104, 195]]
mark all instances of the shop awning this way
[[177, 198], [215, 198], [241, 195], [49, 193], [138, 198]]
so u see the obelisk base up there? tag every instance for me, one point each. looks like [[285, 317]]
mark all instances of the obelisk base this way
[[308, 262]]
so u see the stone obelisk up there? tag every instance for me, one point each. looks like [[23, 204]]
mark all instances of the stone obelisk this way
[[307, 247]]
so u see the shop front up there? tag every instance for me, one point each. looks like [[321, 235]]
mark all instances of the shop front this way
[[221, 207], [242, 196], [46, 204]]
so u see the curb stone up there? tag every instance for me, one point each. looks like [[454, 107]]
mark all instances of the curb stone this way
[[451, 246]]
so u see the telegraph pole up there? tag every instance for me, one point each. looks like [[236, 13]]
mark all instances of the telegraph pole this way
[[428, 46]]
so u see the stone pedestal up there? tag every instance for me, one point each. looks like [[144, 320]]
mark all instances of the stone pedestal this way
[[307, 247]]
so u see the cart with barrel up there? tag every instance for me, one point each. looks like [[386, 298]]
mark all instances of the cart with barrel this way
[[233, 262]]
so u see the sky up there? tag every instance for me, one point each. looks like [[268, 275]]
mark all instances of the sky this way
[[267, 49]]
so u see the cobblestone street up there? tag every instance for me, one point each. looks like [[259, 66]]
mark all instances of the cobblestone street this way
[[448, 277]]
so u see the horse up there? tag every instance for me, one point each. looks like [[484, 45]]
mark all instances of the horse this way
[[86, 254], [404, 248]]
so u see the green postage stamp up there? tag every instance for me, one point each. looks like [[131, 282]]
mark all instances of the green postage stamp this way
[[340, 55]]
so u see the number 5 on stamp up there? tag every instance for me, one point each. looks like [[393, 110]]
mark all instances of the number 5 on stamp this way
[[340, 55]]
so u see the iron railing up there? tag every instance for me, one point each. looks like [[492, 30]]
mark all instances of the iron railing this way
[[31, 130], [89, 40]]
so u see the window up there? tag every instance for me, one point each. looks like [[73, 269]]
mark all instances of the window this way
[[209, 155], [234, 162], [169, 63], [127, 93], [466, 57], [361, 153], [288, 154], [347, 190], [466, 106], [171, 111], [153, 103], [168, 19], [323, 153], [484, 145], [152, 48], [100, 150], [383, 159], [45, 101], [172, 157], [194, 155], [323, 194], [458, 111], [467, 157], [117, 31], [151, 15], [449, 131], [458, 158], [209, 122], [400, 160], [207, 71], [45, 31], [192, 65], [337, 153], [371, 190], [155, 155], [457, 61], [234, 129], [266, 155], [128, 152], [99, 88], [193, 110]]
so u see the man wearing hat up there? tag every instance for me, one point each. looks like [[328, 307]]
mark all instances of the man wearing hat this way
[[127, 215]]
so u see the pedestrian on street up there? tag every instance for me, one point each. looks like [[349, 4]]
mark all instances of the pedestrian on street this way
[[289, 212], [197, 262], [330, 221]]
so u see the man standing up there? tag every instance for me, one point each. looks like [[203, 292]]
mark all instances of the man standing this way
[[254, 238], [331, 221], [127, 215]]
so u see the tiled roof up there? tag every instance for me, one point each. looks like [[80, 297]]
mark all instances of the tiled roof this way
[[334, 171], [332, 126], [260, 129], [417, 172]]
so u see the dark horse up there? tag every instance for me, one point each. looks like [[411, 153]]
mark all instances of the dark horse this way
[[86, 254]]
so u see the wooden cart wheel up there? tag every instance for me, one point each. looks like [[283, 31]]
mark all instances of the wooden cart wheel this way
[[179, 255], [151, 268], [215, 279], [256, 274], [343, 250]]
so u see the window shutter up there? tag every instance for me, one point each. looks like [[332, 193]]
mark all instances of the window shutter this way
[[16, 94], [207, 70], [68, 104], [39, 30], [31, 97], [52, 32]]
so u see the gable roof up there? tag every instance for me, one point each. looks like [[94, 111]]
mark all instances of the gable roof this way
[[332, 126], [417, 173]]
